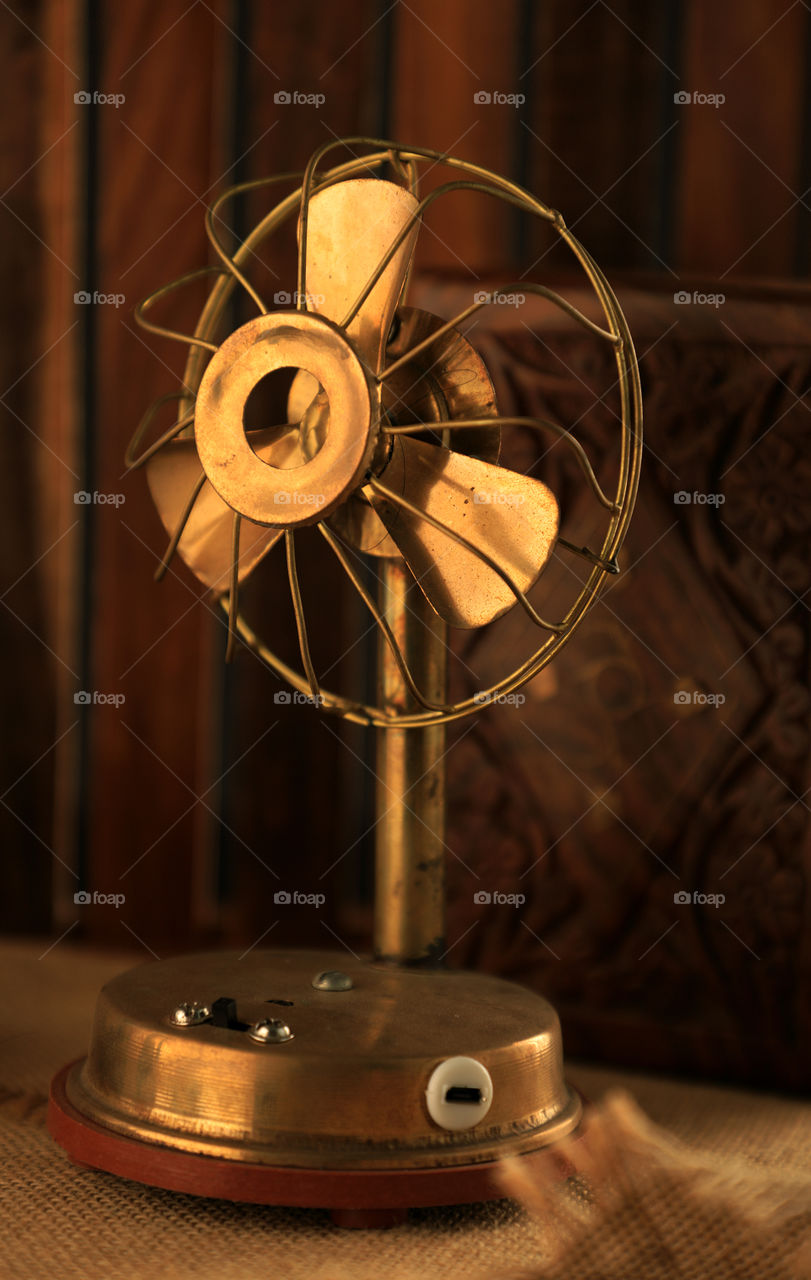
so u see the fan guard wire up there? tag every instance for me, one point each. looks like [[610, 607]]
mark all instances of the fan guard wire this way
[[405, 161]]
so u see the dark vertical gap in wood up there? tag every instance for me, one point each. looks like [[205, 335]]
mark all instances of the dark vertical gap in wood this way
[[802, 248], [385, 72], [664, 229], [361, 796], [86, 382], [227, 675], [521, 230]]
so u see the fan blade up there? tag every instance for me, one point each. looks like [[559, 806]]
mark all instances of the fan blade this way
[[511, 517], [446, 380], [282, 449], [350, 226], [206, 543]]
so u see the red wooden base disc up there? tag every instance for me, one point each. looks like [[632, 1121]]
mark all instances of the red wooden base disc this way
[[357, 1197]]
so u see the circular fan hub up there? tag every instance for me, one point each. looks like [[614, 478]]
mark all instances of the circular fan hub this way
[[251, 486]]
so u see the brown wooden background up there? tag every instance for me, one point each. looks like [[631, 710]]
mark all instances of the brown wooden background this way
[[196, 793]]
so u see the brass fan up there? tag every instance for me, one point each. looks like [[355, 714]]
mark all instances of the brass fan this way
[[391, 1082]]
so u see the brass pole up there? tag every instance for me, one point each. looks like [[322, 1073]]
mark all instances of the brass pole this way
[[410, 835]]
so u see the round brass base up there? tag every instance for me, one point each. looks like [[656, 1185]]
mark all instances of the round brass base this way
[[335, 1081]]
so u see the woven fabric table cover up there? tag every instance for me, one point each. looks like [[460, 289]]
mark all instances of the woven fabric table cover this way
[[61, 1222]]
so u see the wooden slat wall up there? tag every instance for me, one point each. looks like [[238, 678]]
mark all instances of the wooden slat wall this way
[[157, 157], [648, 184], [742, 164], [280, 813], [60, 401], [443, 56], [601, 124], [31, 466]]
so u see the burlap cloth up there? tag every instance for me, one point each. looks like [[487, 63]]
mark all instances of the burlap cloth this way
[[715, 1182]]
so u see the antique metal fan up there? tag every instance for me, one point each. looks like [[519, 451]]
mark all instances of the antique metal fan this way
[[313, 1078]]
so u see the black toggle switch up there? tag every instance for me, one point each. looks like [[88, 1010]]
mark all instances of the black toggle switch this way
[[224, 1014]]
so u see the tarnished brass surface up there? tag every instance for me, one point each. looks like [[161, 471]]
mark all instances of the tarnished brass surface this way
[[445, 381], [410, 831], [251, 486], [508, 516], [356, 240], [348, 1090], [345, 1089], [173, 475], [351, 226]]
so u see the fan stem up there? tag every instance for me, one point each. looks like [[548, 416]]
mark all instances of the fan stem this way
[[410, 833]]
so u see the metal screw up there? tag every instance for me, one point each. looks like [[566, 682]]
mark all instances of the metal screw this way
[[270, 1031], [333, 980], [189, 1014]]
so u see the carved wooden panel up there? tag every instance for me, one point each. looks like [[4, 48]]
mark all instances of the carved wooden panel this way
[[665, 753]]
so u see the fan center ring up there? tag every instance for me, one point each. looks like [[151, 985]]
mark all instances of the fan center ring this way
[[252, 487]]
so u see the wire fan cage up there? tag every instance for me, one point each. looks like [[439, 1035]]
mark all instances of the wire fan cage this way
[[404, 165]]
